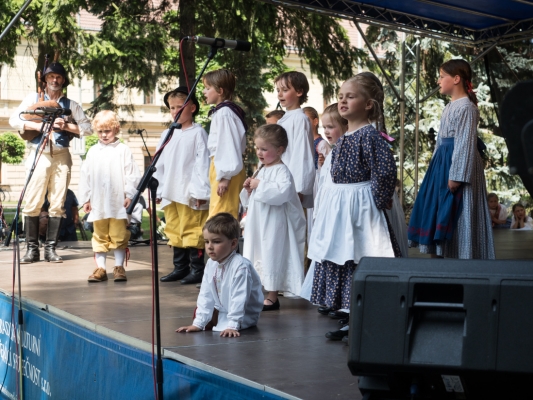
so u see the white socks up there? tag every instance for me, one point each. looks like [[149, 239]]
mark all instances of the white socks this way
[[100, 259], [120, 255]]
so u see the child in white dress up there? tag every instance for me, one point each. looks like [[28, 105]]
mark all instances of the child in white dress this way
[[274, 237], [334, 127]]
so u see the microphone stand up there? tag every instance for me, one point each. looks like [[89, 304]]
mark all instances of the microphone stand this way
[[147, 181], [46, 127], [140, 131]]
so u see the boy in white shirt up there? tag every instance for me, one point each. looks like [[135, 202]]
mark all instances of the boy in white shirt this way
[[292, 90], [108, 181], [226, 143], [183, 191], [230, 298]]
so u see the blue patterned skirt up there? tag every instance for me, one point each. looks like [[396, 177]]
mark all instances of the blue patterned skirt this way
[[332, 283], [436, 209]]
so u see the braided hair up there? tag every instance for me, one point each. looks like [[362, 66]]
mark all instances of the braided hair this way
[[461, 68]]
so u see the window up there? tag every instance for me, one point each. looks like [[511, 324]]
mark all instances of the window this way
[[149, 97]]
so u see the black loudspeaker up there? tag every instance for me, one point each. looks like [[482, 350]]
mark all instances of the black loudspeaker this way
[[442, 328]]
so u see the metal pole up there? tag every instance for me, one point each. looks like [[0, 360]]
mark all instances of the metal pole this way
[[15, 18], [369, 45], [402, 122], [417, 115], [471, 62]]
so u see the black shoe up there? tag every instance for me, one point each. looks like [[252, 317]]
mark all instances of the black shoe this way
[[181, 265], [338, 314], [196, 259], [324, 310], [336, 335], [52, 233], [31, 227], [193, 277], [344, 321], [271, 307]]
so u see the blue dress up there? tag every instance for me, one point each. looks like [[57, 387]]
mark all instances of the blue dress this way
[[460, 225]]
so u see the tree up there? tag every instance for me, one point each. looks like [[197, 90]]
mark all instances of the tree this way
[[12, 148]]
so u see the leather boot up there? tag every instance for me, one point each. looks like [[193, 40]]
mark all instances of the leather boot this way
[[50, 255], [197, 267], [181, 266], [31, 227]]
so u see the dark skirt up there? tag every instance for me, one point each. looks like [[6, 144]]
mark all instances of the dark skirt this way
[[332, 284], [436, 210]]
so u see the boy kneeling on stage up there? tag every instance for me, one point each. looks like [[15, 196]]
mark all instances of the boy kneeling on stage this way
[[230, 298], [108, 181]]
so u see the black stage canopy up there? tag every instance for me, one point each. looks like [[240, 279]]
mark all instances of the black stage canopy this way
[[473, 22]]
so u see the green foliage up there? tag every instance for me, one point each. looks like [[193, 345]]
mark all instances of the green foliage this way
[[12, 148]]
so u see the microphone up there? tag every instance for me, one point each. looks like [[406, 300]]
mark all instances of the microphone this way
[[48, 111], [239, 45]]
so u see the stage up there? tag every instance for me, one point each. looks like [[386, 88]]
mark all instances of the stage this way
[[285, 356]]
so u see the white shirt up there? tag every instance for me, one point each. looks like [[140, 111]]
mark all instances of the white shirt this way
[[108, 175], [528, 225], [226, 143], [299, 155], [274, 237], [502, 214], [183, 168], [78, 115], [234, 289]]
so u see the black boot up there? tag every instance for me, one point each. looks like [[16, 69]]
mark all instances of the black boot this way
[[197, 267], [181, 266], [50, 255], [31, 227]]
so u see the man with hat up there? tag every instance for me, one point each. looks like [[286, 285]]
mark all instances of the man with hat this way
[[52, 172], [183, 191]]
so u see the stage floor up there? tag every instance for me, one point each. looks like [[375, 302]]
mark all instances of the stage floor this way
[[287, 351]]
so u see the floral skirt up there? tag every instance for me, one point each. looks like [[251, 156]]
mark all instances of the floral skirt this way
[[332, 283]]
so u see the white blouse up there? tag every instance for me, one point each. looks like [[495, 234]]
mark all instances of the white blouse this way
[[234, 289], [299, 155], [108, 175], [226, 143], [183, 168]]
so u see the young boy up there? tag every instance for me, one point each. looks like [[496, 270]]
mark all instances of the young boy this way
[[292, 90], [183, 191], [226, 143], [274, 116], [230, 298], [108, 181]]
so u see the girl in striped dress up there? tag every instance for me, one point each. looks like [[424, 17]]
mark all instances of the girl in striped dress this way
[[451, 217]]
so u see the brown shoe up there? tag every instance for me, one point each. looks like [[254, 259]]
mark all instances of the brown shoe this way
[[99, 275], [120, 274]]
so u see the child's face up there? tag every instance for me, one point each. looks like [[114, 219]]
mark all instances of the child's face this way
[[211, 95], [352, 103], [447, 83], [332, 130], [175, 104], [519, 213], [218, 246], [267, 153], [493, 203], [288, 96], [106, 134]]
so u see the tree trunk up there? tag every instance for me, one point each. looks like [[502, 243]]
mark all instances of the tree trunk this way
[[187, 10]]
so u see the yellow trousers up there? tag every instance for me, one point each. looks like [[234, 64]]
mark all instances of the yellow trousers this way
[[110, 234], [184, 226], [52, 175], [229, 202]]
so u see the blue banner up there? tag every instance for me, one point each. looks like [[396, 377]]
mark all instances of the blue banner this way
[[63, 360]]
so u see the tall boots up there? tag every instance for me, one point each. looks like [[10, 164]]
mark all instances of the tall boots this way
[[54, 223], [31, 227], [196, 257], [181, 265]]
